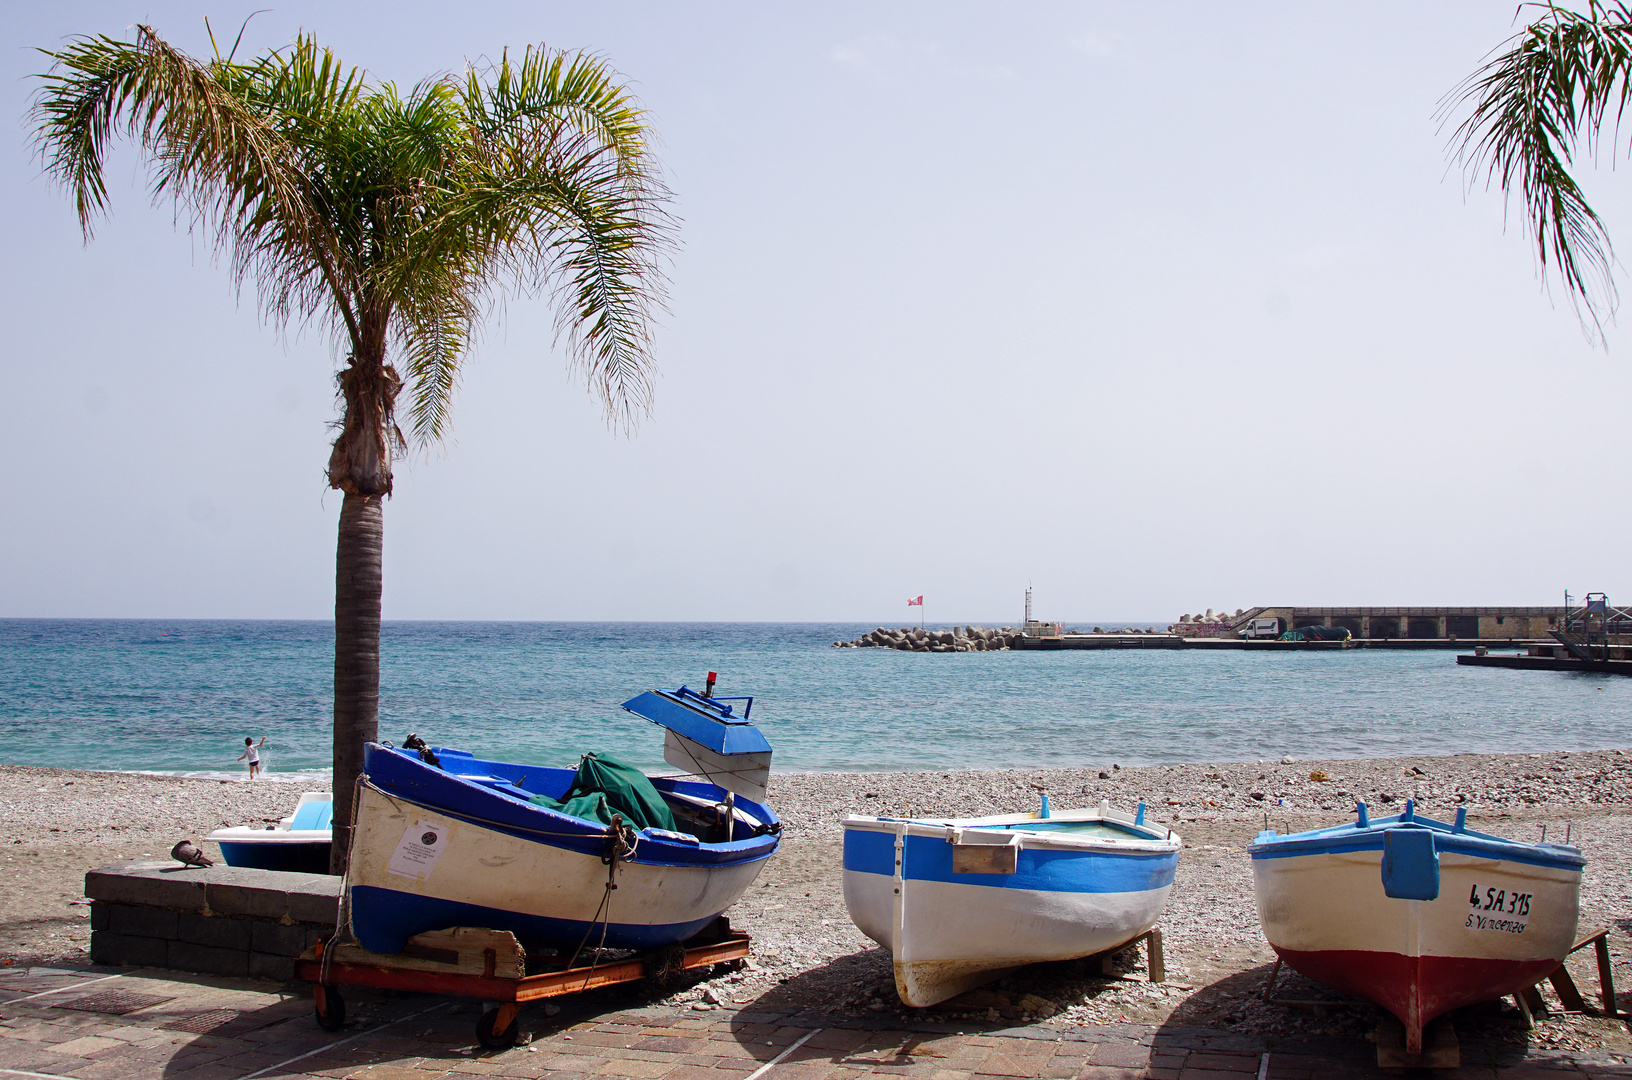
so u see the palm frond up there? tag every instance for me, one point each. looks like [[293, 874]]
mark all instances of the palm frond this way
[[1546, 95], [215, 149], [562, 196]]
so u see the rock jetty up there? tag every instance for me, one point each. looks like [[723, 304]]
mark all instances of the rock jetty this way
[[917, 639]]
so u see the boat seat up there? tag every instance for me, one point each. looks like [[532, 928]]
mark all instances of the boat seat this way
[[314, 815]]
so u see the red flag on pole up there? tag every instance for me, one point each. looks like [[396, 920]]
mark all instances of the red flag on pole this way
[[916, 601]]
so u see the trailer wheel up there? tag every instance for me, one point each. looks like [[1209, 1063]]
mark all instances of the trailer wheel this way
[[330, 1007], [493, 1039]]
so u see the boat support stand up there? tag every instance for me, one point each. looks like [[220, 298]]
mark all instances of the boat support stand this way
[[478, 976]]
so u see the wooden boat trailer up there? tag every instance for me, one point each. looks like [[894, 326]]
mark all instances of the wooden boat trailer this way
[[490, 965]]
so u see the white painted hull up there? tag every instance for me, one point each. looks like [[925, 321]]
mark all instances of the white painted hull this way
[[1327, 916], [524, 885], [949, 932]]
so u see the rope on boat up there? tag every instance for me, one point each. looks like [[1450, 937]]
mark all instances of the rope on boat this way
[[342, 907], [620, 844]]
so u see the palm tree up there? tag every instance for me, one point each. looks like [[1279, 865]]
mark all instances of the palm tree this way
[[1545, 96], [394, 219]]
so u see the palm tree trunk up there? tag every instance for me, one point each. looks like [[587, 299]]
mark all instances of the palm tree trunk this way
[[357, 582]]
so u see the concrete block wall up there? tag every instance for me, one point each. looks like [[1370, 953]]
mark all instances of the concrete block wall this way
[[216, 920]]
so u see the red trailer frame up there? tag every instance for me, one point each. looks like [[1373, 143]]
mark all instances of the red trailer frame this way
[[498, 1028]]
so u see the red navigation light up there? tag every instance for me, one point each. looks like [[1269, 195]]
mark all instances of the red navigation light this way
[[708, 688]]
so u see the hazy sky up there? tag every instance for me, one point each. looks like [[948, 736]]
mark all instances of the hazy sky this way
[[1156, 307]]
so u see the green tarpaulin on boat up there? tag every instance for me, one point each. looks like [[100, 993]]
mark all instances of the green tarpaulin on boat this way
[[606, 786]]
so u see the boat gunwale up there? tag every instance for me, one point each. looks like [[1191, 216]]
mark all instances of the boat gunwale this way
[[1345, 839], [579, 834], [944, 828]]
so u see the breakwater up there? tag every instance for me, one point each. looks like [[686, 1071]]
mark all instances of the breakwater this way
[[957, 639]]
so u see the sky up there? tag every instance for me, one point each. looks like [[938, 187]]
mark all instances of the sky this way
[[1154, 308]]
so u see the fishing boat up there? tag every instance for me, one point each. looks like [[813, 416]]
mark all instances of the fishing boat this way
[[299, 842], [1416, 915], [961, 901], [600, 855]]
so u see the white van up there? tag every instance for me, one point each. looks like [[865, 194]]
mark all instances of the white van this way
[[1260, 628]]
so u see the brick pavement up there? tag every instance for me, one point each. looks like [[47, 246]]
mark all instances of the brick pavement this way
[[250, 1030]]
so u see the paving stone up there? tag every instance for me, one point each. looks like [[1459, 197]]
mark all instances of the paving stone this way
[[694, 1072], [1120, 1054], [1004, 1064], [86, 1045], [396, 1072], [1226, 1062], [639, 1070]]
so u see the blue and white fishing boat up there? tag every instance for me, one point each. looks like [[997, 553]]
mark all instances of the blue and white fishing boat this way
[[1416, 915], [600, 855], [962, 901], [299, 842]]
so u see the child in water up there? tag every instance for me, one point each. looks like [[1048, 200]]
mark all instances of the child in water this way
[[252, 751]]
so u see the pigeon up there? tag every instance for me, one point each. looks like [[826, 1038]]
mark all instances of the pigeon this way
[[188, 855]]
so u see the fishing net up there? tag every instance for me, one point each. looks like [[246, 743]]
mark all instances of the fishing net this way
[[605, 786]]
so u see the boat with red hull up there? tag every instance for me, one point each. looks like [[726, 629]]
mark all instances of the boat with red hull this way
[[1418, 916]]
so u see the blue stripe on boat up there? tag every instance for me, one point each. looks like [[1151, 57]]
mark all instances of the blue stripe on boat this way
[[1324, 842], [1075, 871], [384, 920]]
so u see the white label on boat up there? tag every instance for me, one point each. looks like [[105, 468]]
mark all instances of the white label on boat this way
[[1493, 908], [417, 852]]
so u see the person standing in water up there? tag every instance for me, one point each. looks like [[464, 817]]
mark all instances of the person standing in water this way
[[252, 753]]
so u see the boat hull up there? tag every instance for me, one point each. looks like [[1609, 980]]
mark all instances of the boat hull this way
[[949, 931], [489, 877], [1327, 915], [297, 855]]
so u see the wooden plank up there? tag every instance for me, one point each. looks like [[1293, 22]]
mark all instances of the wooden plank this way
[[1153, 951], [1567, 993], [1440, 1048], [462, 950]]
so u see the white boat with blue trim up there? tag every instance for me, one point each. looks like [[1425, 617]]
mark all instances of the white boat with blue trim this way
[[445, 839], [299, 842], [961, 901], [1416, 915]]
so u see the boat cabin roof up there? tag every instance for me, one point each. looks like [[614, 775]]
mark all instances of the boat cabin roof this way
[[710, 721]]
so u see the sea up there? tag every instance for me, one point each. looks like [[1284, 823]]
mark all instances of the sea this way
[[180, 697]]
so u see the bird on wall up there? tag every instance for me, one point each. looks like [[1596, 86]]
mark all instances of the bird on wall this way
[[188, 855]]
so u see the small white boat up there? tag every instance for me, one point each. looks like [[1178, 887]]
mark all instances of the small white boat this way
[[962, 901], [299, 842], [445, 839], [1415, 915]]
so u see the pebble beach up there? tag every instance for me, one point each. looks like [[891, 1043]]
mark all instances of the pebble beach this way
[[60, 823]]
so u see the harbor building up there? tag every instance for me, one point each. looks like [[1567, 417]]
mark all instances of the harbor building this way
[[1382, 623]]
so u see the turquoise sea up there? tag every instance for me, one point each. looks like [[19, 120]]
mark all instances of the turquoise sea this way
[[179, 696]]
